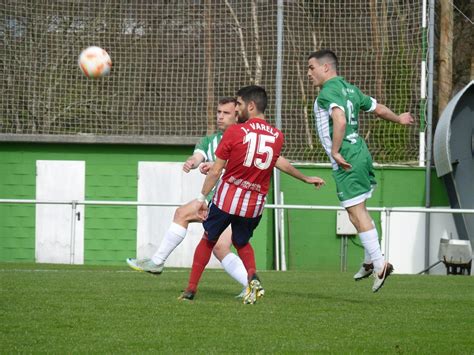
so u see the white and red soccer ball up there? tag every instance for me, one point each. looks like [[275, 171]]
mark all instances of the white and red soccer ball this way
[[95, 62]]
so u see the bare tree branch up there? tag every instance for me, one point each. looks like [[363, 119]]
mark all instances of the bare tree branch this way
[[309, 136], [258, 58], [209, 42], [242, 42]]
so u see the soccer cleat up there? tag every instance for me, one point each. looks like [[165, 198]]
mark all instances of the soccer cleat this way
[[382, 276], [146, 265], [187, 295], [365, 271], [252, 292], [260, 291]]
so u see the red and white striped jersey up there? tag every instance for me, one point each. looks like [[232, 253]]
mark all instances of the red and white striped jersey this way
[[251, 150]]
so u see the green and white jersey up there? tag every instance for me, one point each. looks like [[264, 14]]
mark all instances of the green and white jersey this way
[[207, 146], [336, 92]]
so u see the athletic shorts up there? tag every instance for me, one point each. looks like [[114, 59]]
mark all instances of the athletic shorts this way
[[356, 185], [217, 221]]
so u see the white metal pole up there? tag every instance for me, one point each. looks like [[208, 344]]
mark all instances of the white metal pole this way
[[72, 245], [421, 152], [276, 214], [387, 235], [267, 206], [282, 234], [278, 104]]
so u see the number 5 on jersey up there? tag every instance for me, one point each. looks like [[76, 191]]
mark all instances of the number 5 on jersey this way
[[257, 143]]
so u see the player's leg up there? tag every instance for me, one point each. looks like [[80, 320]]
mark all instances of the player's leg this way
[[172, 238], [362, 221], [254, 290], [230, 262], [202, 254], [367, 267], [247, 255], [175, 234], [354, 187], [242, 231], [214, 226]]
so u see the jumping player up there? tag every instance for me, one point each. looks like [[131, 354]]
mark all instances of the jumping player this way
[[336, 111]]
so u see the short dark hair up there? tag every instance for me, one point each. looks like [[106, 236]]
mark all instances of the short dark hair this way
[[256, 94], [227, 100], [326, 54]]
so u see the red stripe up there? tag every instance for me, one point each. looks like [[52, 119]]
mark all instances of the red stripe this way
[[217, 194], [245, 204], [251, 205], [239, 204], [229, 197]]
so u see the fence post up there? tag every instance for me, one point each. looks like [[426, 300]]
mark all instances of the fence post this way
[[278, 103], [387, 233], [73, 231]]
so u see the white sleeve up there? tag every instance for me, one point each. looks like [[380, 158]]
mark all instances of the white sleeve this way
[[331, 106]]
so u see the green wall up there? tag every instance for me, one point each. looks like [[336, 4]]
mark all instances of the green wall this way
[[111, 174]]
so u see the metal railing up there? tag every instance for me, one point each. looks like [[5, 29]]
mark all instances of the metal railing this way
[[385, 210]]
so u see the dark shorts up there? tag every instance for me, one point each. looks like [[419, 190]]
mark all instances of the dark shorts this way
[[217, 221]]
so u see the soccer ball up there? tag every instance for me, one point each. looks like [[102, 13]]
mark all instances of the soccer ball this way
[[94, 62]]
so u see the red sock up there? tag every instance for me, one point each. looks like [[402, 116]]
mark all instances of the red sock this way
[[202, 254], [247, 256]]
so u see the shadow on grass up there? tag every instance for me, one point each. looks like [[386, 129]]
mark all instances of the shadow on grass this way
[[321, 296]]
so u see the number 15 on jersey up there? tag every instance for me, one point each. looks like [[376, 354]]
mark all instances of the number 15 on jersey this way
[[258, 143]]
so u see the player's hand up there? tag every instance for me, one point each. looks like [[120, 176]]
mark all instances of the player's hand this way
[[341, 161], [316, 181], [195, 211], [203, 211], [188, 165], [205, 167], [406, 119]]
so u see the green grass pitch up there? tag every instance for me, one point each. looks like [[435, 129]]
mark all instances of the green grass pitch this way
[[92, 309]]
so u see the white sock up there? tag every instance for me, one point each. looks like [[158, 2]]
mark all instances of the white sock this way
[[173, 237], [367, 258], [370, 241], [235, 268]]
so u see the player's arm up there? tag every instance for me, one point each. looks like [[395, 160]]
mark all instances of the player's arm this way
[[284, 165], [193, 162], [212, 177], [384, 112], [204, 167], [338, 131]]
